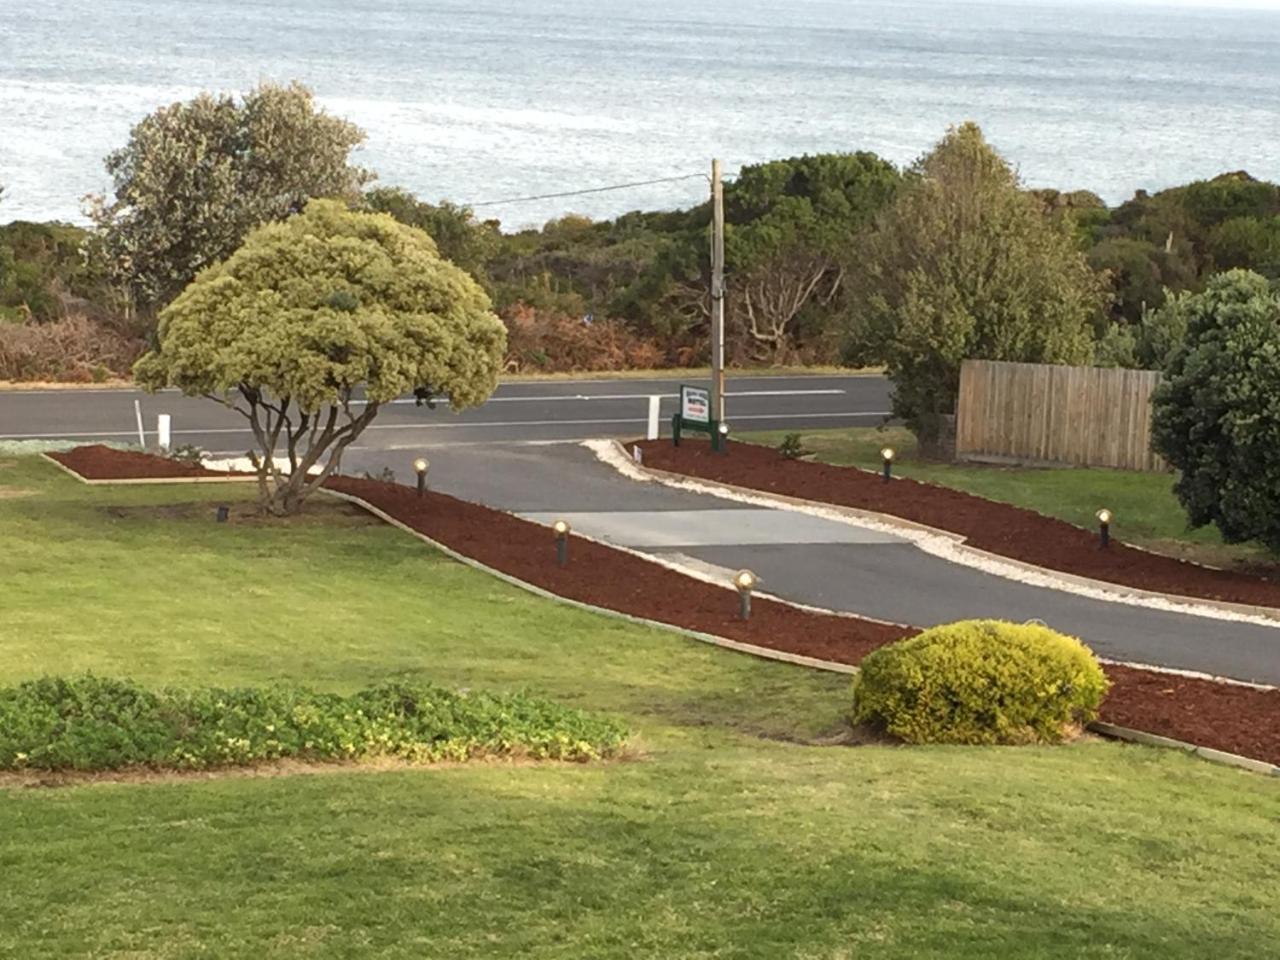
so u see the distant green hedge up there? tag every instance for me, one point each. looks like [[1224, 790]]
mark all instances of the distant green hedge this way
[[980, 681], [96, 723]]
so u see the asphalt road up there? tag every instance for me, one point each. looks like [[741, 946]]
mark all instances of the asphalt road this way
[[521, 411], [823, 563], [516, 453]]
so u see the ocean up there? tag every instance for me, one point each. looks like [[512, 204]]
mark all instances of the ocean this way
[[483, 100]]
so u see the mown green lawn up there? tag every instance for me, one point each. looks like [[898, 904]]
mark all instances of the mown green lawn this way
[[738, 835], [1146, 511]]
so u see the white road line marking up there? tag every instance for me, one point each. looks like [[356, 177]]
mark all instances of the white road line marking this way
[[509, 384], [449, 426], [580, 397]]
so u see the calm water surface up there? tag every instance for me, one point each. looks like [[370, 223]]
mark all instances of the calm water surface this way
[[486, 100]]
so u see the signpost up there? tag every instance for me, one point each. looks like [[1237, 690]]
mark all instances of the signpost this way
[[695, 413]]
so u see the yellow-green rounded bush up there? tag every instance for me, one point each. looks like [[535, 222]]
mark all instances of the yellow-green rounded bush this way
[[980, 681]]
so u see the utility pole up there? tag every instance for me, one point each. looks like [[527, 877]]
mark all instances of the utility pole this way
[[717, 298]]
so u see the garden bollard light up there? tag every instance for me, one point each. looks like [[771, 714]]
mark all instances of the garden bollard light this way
[[561, 528], [422, 465], [722, 431], [887, 456], [745, 581], [1104, 527]]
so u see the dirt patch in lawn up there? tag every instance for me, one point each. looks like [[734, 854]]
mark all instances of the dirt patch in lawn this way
[[999, 528], [318, 510], [1223, 716], [12, 493]]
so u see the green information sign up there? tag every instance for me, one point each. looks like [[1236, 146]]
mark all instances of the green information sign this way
[[695, 414]]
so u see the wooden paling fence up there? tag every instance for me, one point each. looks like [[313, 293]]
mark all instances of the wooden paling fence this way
[[1036, 413]]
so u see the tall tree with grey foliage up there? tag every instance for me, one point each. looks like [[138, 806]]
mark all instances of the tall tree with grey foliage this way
[[196, 177]]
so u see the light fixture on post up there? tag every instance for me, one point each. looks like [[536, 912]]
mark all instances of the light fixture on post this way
[[1104, 527], [745, 581], [561, 527], [886, 456], [421, 466], [722, 435]]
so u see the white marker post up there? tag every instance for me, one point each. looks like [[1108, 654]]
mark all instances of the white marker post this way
[[654, 403], [163, 432], [137, 412]]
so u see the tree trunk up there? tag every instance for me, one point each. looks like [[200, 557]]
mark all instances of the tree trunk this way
[[308, 436]]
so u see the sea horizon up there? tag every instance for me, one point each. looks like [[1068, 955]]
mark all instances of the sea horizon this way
[[484, 102]]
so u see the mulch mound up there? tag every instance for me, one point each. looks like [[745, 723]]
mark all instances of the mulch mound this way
[[1222, 716], [986, 524], [96, 462]]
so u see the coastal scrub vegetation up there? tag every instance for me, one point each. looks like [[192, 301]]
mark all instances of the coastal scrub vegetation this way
[[195, 177]]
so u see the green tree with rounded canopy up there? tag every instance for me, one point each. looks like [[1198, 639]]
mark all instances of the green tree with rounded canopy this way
[[196, 177], [787, 239], [315, 323], [965, 264], [461, 238], [1217, 412]]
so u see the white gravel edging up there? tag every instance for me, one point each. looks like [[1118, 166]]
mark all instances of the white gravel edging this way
[[143, 481], [944, 545]]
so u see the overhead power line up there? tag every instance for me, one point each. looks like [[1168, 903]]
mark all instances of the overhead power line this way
[[578, 193]]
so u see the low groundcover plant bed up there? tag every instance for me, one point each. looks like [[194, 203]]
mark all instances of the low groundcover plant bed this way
[[94, 723]]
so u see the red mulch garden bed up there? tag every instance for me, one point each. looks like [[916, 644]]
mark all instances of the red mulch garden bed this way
[[1223, 716], [1219, 715], [617, 580], [97, 462], [995, 527]]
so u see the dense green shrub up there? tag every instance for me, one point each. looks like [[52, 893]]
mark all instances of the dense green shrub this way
[[1216, 414], [980, 681], [96, 723]]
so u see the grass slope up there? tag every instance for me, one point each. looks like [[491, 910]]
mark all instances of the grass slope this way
[[1147, 513], [739, 836]]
